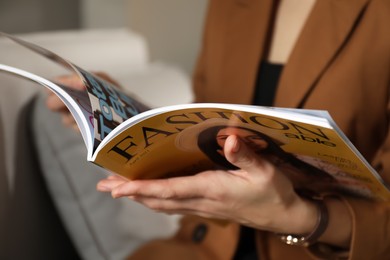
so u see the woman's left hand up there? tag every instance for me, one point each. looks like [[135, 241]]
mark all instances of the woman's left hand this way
[[257, 194]]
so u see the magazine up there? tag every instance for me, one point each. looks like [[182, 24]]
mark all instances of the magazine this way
[[128, 138]]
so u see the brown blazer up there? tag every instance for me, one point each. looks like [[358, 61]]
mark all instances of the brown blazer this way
[[340, 63]]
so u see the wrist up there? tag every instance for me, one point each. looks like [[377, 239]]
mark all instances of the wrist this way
[[302, 217], [321, 224]]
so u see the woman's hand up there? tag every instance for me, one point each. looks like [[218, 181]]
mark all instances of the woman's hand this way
[[54, 103], [257, 195]]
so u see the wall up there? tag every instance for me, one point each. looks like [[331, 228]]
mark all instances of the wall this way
[[173, 28], [102, 13], [22, 16]]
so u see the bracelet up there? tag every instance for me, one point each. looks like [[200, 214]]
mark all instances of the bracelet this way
[[322, 224]]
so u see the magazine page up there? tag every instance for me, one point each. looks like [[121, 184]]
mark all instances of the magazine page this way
[[183, 140], [76, 101], [52, 66], [103, 105], [110, 105]]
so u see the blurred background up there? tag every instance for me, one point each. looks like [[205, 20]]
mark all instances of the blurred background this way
[[150, 48], [171, 27]]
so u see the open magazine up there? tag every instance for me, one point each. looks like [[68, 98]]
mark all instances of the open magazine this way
[[126, 137]]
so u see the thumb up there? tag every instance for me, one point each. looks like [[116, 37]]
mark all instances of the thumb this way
[[242, 156]]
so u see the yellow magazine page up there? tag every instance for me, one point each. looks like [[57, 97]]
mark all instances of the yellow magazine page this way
[[186, 141]]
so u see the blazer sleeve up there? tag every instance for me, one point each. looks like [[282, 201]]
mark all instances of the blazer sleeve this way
[[371, 229], [371, 221]]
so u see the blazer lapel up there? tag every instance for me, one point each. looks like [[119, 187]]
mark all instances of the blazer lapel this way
[[327, 28]]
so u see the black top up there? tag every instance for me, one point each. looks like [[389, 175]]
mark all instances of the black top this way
[[267, 82], [266, 85]]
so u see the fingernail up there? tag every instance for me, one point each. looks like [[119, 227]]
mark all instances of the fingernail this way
[[115, 194], [236, 145], [102, 188]]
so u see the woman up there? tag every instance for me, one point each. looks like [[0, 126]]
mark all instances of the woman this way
[[336, 57]]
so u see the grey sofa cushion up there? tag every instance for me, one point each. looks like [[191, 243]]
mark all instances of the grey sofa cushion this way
[[34, 229], [101, 227]]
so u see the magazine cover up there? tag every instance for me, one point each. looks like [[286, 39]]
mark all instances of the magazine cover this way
[[190, 139]]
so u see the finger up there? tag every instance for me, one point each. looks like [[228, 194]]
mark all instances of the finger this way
[[172, 205], [197, 206], [72, 81], [108, 184], [218, 219], [54, 103], [173, 188], [114, 176], [75, 127], [239, 154], [68, 119]]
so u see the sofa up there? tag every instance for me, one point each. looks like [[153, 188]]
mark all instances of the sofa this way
[[49, 207]]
